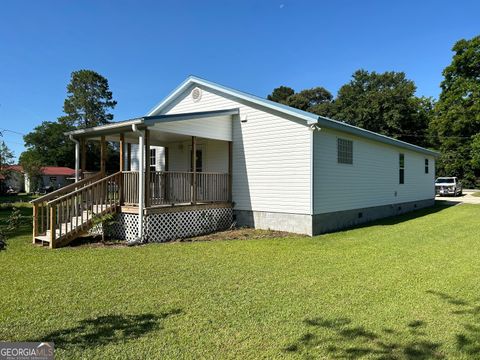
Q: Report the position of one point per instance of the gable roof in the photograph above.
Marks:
(310, 118)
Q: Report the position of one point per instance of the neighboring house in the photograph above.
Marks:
(222, 155)
(53, 176)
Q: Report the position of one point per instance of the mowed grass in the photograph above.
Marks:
(403, 288)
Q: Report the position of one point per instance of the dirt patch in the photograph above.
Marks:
(96, 242)
(234, 234)
(241, 234)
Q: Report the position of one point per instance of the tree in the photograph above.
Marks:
(456, 124)
(313, 100)
(48, 145)
(281, 94)
(6, 159)
(32, 163)
(384, 103)
(11, 225)
(88, 101)
(6, 156)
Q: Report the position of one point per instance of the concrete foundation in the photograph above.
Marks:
(323, 223)
(295, 223)
(338, 220)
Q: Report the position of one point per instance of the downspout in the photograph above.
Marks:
(77, 157)
(141, 184)
(313, 128)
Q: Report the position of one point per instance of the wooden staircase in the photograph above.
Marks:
(63, 215)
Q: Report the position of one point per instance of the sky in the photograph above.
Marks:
(146, 48)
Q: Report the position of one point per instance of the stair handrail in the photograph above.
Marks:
(67, 189)
(60, 198)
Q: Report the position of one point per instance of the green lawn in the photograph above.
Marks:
(405, 288)
(19, 200)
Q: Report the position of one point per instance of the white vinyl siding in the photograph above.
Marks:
(372, 179)
(160, 157)
(214, 128)
(271, 154)
(215, 155)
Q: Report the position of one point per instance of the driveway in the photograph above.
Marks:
(466, 198)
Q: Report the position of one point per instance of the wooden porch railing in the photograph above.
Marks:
(41, 210)
(176, 187)
(73, 212)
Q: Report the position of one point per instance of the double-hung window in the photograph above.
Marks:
(344, 151)
(401, 168)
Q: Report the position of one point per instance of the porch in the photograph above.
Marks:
(169, 164)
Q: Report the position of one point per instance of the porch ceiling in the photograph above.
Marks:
(166, 128)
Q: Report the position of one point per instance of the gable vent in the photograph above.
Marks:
(196, 94)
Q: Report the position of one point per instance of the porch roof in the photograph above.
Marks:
(164, 128)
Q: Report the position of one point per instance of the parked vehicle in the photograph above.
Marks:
(448, 186)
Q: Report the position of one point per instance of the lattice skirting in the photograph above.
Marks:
(173, 225)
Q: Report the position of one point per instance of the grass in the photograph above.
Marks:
(477, 194)
(403, 288)
(20, 200)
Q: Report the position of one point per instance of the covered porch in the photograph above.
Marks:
(167, 160)
(170, 165)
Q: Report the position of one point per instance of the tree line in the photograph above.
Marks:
(386, 103)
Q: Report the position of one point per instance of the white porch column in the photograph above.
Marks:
(141, 180)
(77, 158)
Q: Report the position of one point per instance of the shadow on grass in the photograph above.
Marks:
(397, 219)
(340, 338)
(107, 329)
(468, 341)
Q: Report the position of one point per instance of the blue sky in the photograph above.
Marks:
(146, 48)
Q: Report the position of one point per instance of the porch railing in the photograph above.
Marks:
(41, 209)
(176, 187)
(75, 210)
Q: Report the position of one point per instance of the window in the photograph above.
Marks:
(426, 166)
(401, 167)
(153, 160)
(344, 151)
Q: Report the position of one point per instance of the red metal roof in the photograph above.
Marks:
(58, 170)
(47, 170)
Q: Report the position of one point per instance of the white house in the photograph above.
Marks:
(266, 165)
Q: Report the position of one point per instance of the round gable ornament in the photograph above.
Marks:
(196, 94)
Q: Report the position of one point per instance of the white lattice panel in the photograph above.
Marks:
(126, 227)
(179, 225)
(173, 225)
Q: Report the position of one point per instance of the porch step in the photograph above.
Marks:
(76, 227)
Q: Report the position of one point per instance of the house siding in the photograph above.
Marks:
(373, 178)
(135, 155)
(215, 155)
(270, 154)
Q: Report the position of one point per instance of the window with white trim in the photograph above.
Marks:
(344, 151)
(401, 168)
